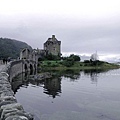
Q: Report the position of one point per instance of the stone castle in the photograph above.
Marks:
(51, 46)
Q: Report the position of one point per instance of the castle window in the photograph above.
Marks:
(54, 48)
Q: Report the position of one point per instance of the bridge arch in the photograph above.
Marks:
(31, 69)
(22, 66)
(25, 67)
(35, 69)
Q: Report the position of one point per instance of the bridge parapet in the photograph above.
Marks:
(15, 69)
(21, 66)
(9, 108)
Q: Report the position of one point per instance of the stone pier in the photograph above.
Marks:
(9, 108)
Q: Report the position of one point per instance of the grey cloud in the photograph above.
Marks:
(76, 35)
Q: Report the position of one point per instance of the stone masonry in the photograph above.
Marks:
(9, 108)
(53, 46)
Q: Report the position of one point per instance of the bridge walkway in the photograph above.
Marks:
(1, 67)
(9, 108)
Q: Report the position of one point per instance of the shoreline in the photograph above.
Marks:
(55, 65)
(75, 68)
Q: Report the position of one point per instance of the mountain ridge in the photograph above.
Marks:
(11, 47)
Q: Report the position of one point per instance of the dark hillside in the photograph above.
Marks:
(11, 48)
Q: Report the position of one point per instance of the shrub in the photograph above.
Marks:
(86, 61)
(75, 57)
(68, 63)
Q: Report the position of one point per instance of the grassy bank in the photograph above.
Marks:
(59, 65)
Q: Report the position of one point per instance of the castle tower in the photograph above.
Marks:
(53, 46)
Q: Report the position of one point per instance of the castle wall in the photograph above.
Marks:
(53, 46)
(25, 54)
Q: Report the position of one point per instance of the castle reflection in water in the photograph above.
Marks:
(52, 86)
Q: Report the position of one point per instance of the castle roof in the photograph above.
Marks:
(52, 39)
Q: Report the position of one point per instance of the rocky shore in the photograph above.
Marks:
(40, 76)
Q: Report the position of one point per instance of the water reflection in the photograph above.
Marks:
(72, 74)
(20, 80)
(94, 74)
(52, 87)
(59, 98)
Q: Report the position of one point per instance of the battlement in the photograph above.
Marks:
(53, 46)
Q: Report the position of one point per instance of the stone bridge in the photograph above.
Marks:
(9, 108)
(21, 66)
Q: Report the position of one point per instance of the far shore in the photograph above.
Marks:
(57, 65)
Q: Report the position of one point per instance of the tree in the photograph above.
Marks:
(52, 57)
(68, 62)
(75, 57)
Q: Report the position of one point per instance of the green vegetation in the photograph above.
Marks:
(59, 65)
(73, 62)
(70, 61)
(49, 57)
(11, 48)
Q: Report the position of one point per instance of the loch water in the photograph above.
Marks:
(71, 95)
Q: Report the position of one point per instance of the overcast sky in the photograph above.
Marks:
(83, 26)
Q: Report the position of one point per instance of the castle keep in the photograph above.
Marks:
(53, 46)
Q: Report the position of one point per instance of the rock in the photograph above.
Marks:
(20, 114)
(6, 102)
(42, 76)
(14, 111)
(16, 118)
(4, 74)
(8, 98)
(6, 113)
(9, 108)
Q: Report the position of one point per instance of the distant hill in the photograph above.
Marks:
(11, 48)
